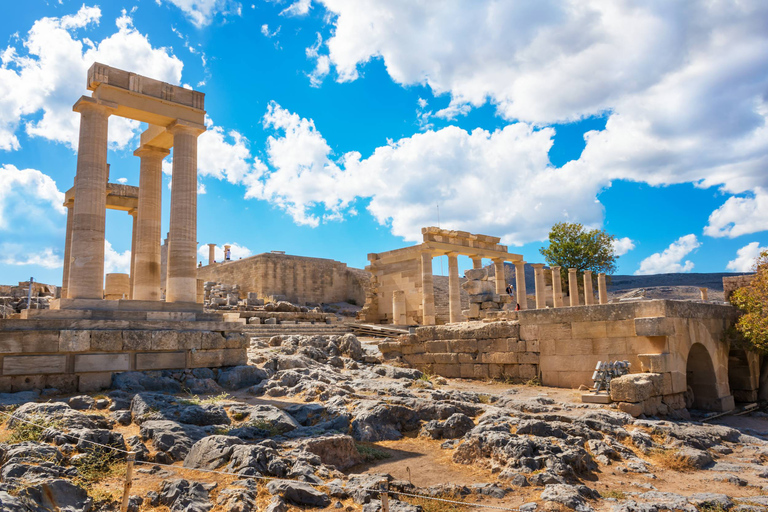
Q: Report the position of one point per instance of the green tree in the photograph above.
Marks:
(573, 246)
(752, 300)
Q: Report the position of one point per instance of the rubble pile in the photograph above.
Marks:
(484, 302)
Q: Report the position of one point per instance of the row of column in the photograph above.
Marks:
(454, 291)
(84, 274)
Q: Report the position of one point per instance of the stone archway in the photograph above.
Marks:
(701, 379)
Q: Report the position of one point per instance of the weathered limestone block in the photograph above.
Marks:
(74, 341)
(481, 372)
(462, 345)
(161, 360)
(636, 387)
(165, 340)
(476, 274)
(137, 340)
(655, 326)
(450, 371)
(528, 358)
(656, 363)
(468, 358)
(652, 405)
(90, 382)
(526, 371)
(85, 363)
(26, 383)
(40, 341)
(532, 346)
(634, 409)
(34, 365)
(66, 383)
(674, 401)
(436, 346)
(445, 358)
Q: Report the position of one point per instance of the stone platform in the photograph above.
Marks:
(80, 349)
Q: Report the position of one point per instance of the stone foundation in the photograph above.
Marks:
(472, 350)
(643, 393)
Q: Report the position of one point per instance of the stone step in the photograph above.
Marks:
(41, 324)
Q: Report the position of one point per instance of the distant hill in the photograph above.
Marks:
(712, 281)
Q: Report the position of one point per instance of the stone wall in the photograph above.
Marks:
(82, 354)
(730, 284)
(473, 350)
(298, 279)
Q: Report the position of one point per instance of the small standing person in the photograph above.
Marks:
(227, 254)
(509, 290)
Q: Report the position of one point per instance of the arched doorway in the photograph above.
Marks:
(700, 373)
(740, 376)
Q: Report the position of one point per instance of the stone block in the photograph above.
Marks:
(532, 346)
(605, 346)
(468, 358)
(34, 365)
(165, 340)
(674, 401)
(74, 341)
(174, 316)
(26, 383)
(481, 372)
(450, 371)
(555, 331)
(573, 347)
(467, 371)
(651, 405)
(679, 382)
(419, 359)
(466, 345)
(528, 358)
(596, 398)
(65, 382)
(510, 371)
(161, 360)
(235, 357)
(11, 341)
(527, 371)
(107, 341)
(595, 329)
(236, 339)
(206, 358)
(434, 347)
(86, 363)
(91, 382)
(515, 345)
(137, 340)
(636, 387)
(620, 329)
(656, 363)
(40, 341)
(529, 332)
(654, 326)
(633, 409)
(474, 310)
(495, 371)
(500, 358)
(445, 358)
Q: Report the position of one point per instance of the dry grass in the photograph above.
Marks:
(671, 459)
(428, 505)
(619, 495)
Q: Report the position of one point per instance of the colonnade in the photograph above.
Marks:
(84, 248)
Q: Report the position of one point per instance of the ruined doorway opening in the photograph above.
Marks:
(740, 376)
(701, 379)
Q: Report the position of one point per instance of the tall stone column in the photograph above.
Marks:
(477, 263)
(538, 280)
(211, 254)
(557, 288)
(427, 290)
(147, 283)
(67, 252)
(589, 294)
(520, 293)
(573, 286)
(602, 289)
(181, 284)
(398, 308)
(132, 275)
(226, 249)
(500, 278)
(454, 290)
(86, 272)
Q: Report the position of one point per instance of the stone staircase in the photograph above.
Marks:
(303, 329)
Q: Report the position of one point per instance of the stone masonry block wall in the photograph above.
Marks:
(730, 284)
(301, 280)
(472, 350)
(397, 276)
(84, 359)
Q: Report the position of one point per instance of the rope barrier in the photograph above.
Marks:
(130, 456)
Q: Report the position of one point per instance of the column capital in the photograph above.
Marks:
(87, 103)
(519, 262)
(147, 150)
(180, 125)
(537, 265)
(556, 267)
(133, 212)
(452, 254)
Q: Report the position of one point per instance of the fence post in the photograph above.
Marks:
(128, 480)
(384, 498)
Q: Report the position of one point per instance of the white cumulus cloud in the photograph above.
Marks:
(28, 194)
(622, 246)
(682, 84)
(202, 12)
(297, 8)
(46, 73)
(746, 258)
(16, 254)
(670, 260)
(115, 261)
(740, 216)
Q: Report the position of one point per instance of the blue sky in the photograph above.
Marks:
(336, 127)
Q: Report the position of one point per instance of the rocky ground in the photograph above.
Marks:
(317, 422)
